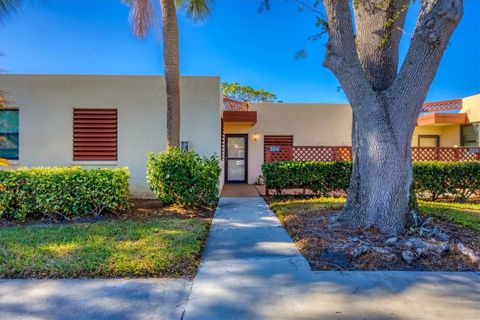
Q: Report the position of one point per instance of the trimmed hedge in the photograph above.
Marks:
(434, 179)
(70, 191)
(459, 180)
(183, 178)
(320, 178)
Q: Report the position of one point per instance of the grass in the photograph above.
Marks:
(158, 247)
(464, 214)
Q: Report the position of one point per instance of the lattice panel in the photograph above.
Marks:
(313, 154)
(322, 153)
(469, 154)
(316, 153)
(442, 105)
(234, 105)
(284, 154)
(444, 154)
(279, 141)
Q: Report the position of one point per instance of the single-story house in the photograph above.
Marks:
(110, 121)
(452, 123)
(104, 121)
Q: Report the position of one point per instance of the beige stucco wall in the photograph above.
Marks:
(46, 104)
(471, 106)
(449, 134)
(310, 125)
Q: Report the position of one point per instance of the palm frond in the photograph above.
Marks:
(197, 10)
(140, 16)
(7, 6)
(4, 163)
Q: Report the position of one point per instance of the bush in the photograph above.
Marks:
(320, 178)
(437, 179)
(441, 179)
(184, 178)
(69, 192)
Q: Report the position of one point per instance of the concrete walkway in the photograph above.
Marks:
(161, 299)
(251, 269)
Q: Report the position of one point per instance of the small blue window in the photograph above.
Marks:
(9, 134)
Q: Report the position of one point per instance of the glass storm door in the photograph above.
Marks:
(236, 157)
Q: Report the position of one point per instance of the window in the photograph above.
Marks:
(428, 141)
(94, 134)
(469, 136)
(9, 134)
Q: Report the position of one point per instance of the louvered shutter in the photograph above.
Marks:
(95, 134)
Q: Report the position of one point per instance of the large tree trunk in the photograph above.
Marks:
(171, 66)
(379, 193)
(385, 103)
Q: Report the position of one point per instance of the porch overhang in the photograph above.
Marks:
(440, 119)
(240, 117)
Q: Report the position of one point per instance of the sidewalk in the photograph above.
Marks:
(98, 299)
(251, 269)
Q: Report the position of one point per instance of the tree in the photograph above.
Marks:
(7, 6)
(238, 92)
(363, 54)
(141, 16)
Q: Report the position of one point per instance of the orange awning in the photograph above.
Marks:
(442, 119)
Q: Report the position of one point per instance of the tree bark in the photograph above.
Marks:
(379, 193)
(171, 67)
(385, 104)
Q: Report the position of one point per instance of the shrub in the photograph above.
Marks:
(438, 179)
(320, 178)
(69, 192)
(184, 178)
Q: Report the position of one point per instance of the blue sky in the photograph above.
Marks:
(236, 43)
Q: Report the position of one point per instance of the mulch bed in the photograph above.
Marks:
(141, 209)
(331, 246)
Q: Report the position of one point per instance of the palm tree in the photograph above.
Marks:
(142, 19)
(7, 6)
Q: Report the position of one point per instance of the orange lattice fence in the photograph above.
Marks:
(278, 153)
(344, 153)
(445, 154)
(304, 153)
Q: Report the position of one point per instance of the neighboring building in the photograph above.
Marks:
(279, 124)
(250, 128)
(110, 121)
(451, 123)
(103, 121)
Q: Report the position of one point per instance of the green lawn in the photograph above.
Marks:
(156, 247)
(465, 214)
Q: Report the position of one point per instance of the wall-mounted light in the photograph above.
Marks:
(255, 137)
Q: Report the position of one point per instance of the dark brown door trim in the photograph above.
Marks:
(226, 158)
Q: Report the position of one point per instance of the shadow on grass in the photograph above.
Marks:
(158, 247)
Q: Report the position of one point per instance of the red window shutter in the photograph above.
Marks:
(95, 134)
(276, 140)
